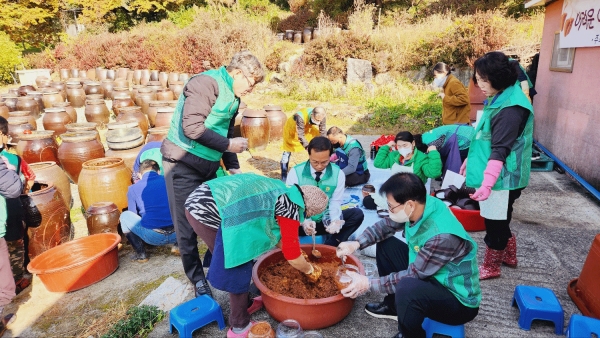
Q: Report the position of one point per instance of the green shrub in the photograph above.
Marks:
(9, 58)
(139, 322)
(418, 113)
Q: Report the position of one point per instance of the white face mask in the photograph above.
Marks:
(400, 216)
(439, 81)
(405, 151)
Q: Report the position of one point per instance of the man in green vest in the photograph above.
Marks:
(349, 156)
(431, 275)
(335, 223)
(201, 134)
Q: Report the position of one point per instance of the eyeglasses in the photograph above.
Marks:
(321, 163)
(250, 84)
(391, 209)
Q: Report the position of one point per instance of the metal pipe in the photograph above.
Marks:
(578, 178)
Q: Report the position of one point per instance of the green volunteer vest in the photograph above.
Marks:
(328, 182)
(516, 169)
(352, 143)
(461, 278)
(14, 160)
(246, 204)
(218, 120)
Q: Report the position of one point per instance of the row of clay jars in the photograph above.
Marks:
(50, 171)
(39, 146)
(77, 148)
(104, 179)
(55, 119)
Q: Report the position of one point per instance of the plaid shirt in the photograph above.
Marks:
(437, 252)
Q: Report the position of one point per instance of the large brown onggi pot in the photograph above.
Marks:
(64, 74)
(68, 108)
(38, 97)
(184, 77)
(39, 146)
(277, 119)
(96, 111)
(134, 114)
(164, 116)
(312, 314)
(173, 77)
(110, 74)
(476, 98)
(124, 143)
(143, 98)
(100, 74)
(60, 87)
(77, 148)
(145, 76)
(29, 104)
(122, 73)
(151, 112)
(93, 87)
(3, 110)
(104, 179)
(154, 75)
(137, 76)
(177, 88)
(121, 100)
(157, 134)
(238, 119)
(102, 217)
(24, 90)
(163, 78)
(119, 91)
(16, 127)
(50, 172)
(11, 102)
(107, 88)
(164, 94)
(75, 94)
(255, 127)
(51, 97)
(55, 119)
(27, 114)
(47, 218)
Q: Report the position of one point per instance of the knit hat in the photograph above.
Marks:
(315, 200)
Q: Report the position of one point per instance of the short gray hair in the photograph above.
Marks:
(319, 112)
(248, 64)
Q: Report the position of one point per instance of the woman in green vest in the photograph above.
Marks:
(499, 160)
(240, 217)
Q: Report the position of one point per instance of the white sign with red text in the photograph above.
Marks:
(580, 24)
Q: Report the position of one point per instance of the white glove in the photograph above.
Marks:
(346, 248)
(335, 226)
(360, 284)
(309, 226)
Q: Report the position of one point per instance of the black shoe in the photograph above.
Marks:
(399, 335)
(381, 310)
(138, 245)
(202, 288)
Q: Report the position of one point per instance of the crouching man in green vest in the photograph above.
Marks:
(318, 171)
(349, 156)
(433, 275)
(240, 217)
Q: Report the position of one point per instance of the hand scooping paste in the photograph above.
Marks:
(282, 278)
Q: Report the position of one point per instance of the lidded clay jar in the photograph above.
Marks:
(24, 113)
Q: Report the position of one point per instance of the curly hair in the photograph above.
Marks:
(494, 68)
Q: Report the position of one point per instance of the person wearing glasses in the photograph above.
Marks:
(335, 223)
(433, 275)
(201, 134)
(298, 130)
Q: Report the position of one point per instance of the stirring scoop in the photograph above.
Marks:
(316, 253)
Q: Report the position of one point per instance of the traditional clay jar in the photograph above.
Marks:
(93, 88)
(107, 87)
(47, 218)
(100, 74)
(121, 100)
(164, 116)
(24, 113)
(77, 148)
(127, 155)
(130, 77)
(121, 92)
(42, 82)
(38, 97)
(75, 94)
(16, 127)
(96, 111)
(23, 90)
(29, 104)
(277, 119)
(64, 74)
(39, 146)
(145, 76)
(49, 98)
(110, 74)
(50, 172)
(122, 73)
(184, 77)
(177, 88)
(134, 113)
(11, 102)
(255, 127)
(173, 77)
(238, 119)
(164, 94)
(84, 126)
(163, 78)
(154, 85)
(280, 36)
(137, 76)
(298, 37)
(316, 33)
(144, 97)
(55, 119)
(3, 110)
(68, 108)
(61, 88)
(307, 34)
(152, 106)
(102, 217)
(124, 143)
(75, 72)
(13, 91)
(154, 75)
(121, 83)
(104, 179)
(134, 92)
(289, 34)
(157, 134)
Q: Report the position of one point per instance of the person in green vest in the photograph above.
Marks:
(432, 274)
(349, 156)
(336, 224)
(499, 160)
(200, 135)
(240, 217)
(439, 137)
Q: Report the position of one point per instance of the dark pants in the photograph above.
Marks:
(416, 299)
(497, 232)
(356, 179)
(181, 180)
(353, 218)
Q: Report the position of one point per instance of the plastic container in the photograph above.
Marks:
(342, 279)
(471, 220)
(289, 328)
(77, 264)
(261, 329)
(585, 290)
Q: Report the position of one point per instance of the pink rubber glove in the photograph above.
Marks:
(490, 176)
(359, 285)
(333, 158)
(463, 168)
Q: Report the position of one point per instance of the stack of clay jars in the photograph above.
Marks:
(38, 146)
(77, 148)
(124, 140)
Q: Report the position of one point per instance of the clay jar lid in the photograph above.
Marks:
(19, 113)
(61, 104)
(122, 125)
(255, 113)
(270, 107)
(50, 92)
(80, 136)
(83, 126)
(17, 120)
(121, 95)
(121, 139)
(54, 110)
(36, 135)
(100, 208)
(25, 98)
(154, 84)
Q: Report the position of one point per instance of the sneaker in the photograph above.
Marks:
(381, 310)
(243, 334)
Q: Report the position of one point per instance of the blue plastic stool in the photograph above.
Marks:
(582, 326)
(194, 314)
(319, 239)
(432, 327)
(538, 303)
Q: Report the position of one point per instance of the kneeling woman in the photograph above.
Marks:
(242, 216)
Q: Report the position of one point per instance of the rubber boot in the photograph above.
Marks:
(284, 171)
(138, 245)
(510, 253)
(491, 264)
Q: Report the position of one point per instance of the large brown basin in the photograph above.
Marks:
(312, 314)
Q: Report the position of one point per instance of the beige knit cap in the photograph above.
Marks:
(315, 200)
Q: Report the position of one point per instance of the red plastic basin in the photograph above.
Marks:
(78, 263)
(471, 220)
